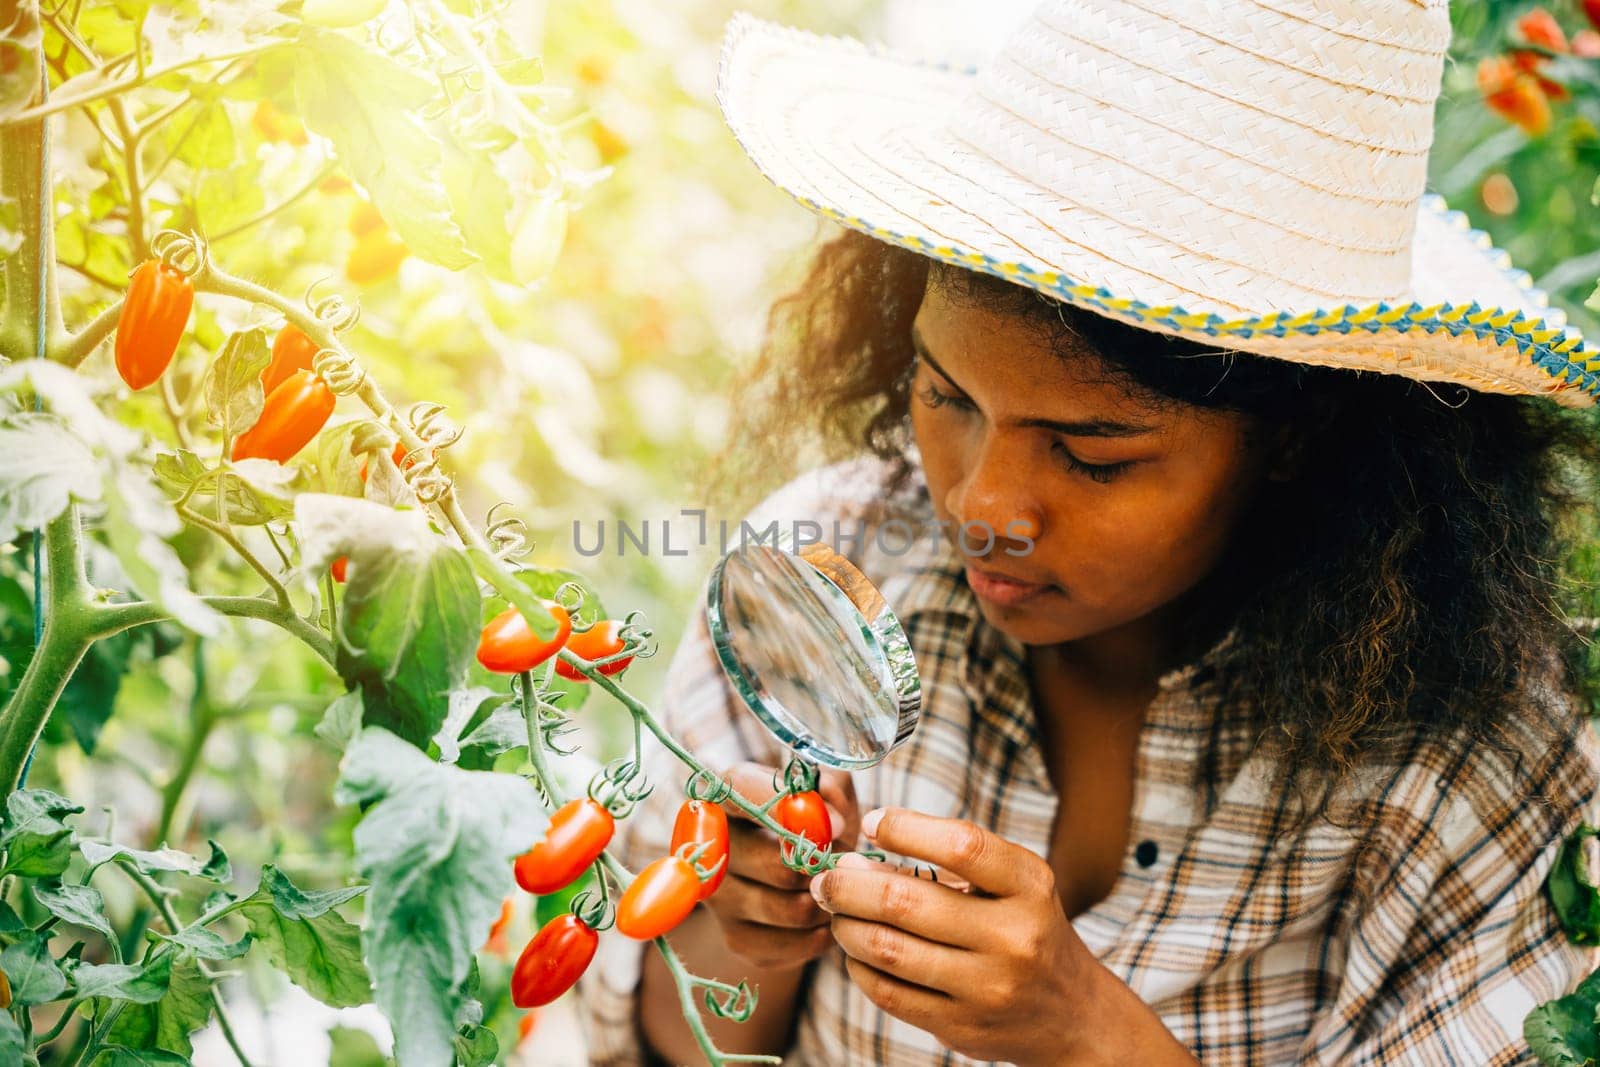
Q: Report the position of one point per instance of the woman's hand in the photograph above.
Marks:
(996, 977)
(767, 917)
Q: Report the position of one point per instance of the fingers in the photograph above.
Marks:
(742, 900)
(925, 909)
(988, 861)
(920, 1007)
(936, 968)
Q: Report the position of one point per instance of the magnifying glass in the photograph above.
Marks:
(814, 651)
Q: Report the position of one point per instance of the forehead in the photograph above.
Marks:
(1017, 352)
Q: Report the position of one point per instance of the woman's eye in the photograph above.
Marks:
(937, 398)
(1100, 472)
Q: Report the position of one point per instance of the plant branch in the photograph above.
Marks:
(232, 231)
(64, 102)
(201, 720)
(75, 348)
(116, 618)
(232, 539)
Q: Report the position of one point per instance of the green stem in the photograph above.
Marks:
(22, 178)
(74, 349)
(202, 718)
(115, 618)
(68, 632)
(157, 897)
(63, 102)
(278, 591)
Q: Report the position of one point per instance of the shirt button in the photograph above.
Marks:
(1145, 854)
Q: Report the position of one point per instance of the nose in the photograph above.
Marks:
(993, 500)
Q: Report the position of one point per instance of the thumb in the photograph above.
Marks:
(838, 791)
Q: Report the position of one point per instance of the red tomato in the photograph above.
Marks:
(697, 822)
(659, 899)
(806, 815)
(291, 416)
(340, 567)
(151, 322)
(576, 836)
(508, 644)
(292, 350)
(553, 961)
(597, 642)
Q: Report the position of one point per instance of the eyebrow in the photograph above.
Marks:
(1072, 428)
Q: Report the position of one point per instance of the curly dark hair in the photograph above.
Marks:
(1409, 581)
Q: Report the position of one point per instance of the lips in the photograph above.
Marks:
(1004, 590)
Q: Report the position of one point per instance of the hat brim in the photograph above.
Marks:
(853, 133)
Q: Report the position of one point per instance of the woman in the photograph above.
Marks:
(1251, 726)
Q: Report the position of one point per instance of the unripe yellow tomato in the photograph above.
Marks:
(536, 244)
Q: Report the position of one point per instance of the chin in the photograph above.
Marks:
(1030, 625)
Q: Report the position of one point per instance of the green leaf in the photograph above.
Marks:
(35, 977)
(156, 862)
(233, 388)
(46, 468)
(167, 1023)
(122, 1056)
(504, 730)
(37, 843)
(481, 204)
(1563, 1032)
(366, 103)
(476, 1046)
(137, 983)
(79, 905)
(305, 938)
(436, 844)
(408, 622)
(91, 693)
(217, 867)
(342, 721)
(225, 198)
(354, 1048)
(204, 138)
(252, 494)
(1572, 889)
(12, 1043)
(208, 945)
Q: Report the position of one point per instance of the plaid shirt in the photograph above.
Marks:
(1252, 948)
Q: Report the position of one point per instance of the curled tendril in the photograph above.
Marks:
(638, 639)
(707, 788)
(803, 855)
(593, 910)
(183, 252)
(692, 852)
(736, 1003)
(508, 536)
(333, 311)
(619, 786)
(422, 472)
(343, 374)
(571, 596)
(552, 722)
(798, 776)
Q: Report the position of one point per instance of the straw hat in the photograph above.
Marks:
(1246, 174)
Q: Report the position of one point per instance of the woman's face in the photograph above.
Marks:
(1127, 504)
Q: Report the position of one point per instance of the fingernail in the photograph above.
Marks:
(869, 825)
(856, 860)
(816, 893)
